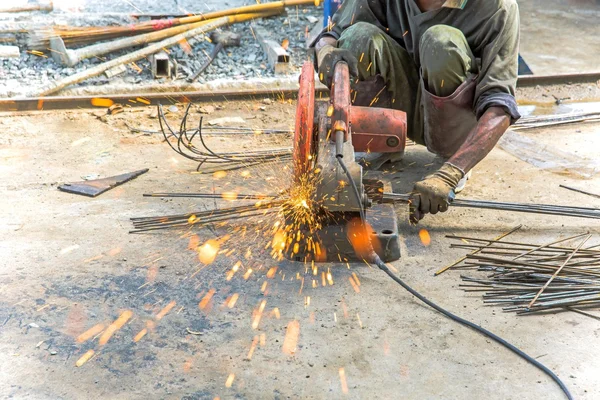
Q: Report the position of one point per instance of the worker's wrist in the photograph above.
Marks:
(325, 41)
(451, 174)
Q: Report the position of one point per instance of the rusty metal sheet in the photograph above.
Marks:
(93, 188)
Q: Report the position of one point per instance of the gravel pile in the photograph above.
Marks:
(248, 61)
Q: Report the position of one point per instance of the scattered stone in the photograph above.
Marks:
(267, 101)
(311, 19)
(33, 325)
(153, 113)
(53, 352)
(173, 109)
(263, 108)
(206, 109)
(227, 121)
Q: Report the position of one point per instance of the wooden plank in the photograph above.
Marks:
(9, 52)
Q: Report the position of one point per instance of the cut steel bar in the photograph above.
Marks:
(516, 228)
(579, 191)
(549, 244)
(558, 271)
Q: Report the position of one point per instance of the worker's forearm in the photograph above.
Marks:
(325, 41)
(482, 139)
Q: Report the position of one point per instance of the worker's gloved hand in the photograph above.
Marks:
(435, 192)
(328, 57)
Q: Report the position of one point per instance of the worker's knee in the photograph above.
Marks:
(445, 56)
(360, 37)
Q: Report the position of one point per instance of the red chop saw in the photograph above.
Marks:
(326, 130)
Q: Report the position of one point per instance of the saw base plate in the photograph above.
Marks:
(335, 245)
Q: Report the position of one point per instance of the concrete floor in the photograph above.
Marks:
(560, 36)
(67, 264)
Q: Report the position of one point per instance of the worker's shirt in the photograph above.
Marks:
(491, 28)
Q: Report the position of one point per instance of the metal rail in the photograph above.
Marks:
(144, 99)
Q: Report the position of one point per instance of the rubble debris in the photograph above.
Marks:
(205, 109)
(163, 66)
(193, 30)
(221, 40)
(227, 121)
(279, 58)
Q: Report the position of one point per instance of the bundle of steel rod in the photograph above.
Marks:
(529, 278)
(204, 218)
(557, 119)
(39, 39)
(182, 145)
(581, 212)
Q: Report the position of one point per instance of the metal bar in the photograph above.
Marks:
(516, 228)
(558, 271)
(75, 102)
(580, 191)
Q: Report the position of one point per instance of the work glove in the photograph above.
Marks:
(328, 57)
(435, 192)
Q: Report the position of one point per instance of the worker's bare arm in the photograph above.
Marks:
(482, 139)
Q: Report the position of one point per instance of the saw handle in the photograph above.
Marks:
(340, 99)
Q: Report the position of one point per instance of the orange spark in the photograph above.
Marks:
(424, 236)
(233, 300)
(354, 285)
(271, 272)
(90, 333)
(84, 358)
(206, 299)
(258, 314)
(275, 313)
(229, 196)
(194, 242)
(252, 348)
(165, 310)
(98, 102)
(359, 321)
(229, 380)
(140, 335)
(208, 251)
(343, 380)
(114, 252)
(114, 327)
(290, 342)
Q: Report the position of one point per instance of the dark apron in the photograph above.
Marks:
(447, 121)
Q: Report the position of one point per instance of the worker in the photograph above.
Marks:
(451, 65)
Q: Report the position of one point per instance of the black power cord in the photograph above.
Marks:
(375, 259)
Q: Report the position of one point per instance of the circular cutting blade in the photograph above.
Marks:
(305, 115)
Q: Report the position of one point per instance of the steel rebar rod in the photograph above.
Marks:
(582, 212)
(516, 228)
(558, 270)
